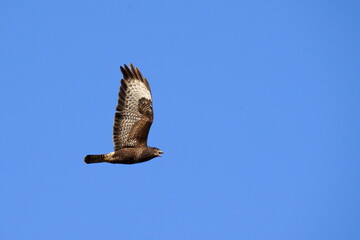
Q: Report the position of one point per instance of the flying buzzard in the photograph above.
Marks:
(133, 118)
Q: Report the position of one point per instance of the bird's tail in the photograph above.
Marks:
(95, 158)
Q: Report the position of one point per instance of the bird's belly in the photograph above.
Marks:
(125, 156)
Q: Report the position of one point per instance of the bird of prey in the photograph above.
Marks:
(133, 119)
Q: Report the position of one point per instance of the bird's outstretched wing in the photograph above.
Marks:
(134, 112)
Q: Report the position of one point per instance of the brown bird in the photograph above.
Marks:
(133, 119)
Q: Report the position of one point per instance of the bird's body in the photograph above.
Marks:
(133, 119)
(124, 155)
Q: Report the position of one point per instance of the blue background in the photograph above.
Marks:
(256, 108)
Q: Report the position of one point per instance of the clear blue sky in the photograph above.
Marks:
(256, 108)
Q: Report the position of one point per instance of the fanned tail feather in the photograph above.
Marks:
(95, 158)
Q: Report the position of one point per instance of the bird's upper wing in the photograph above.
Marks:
(134, 112)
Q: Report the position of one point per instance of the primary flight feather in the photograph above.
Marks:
(133, 119)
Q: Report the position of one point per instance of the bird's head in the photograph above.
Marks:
(157, 152)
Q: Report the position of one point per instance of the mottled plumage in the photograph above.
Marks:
(133, 119)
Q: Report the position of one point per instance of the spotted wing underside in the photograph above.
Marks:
(134, 112)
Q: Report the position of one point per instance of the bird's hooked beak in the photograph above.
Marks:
(160, 152)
